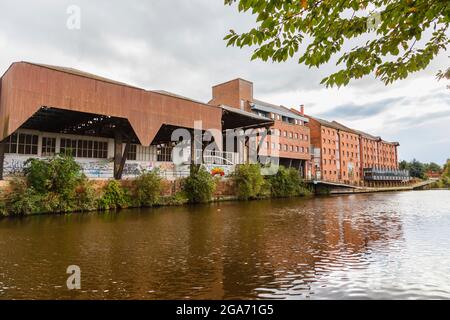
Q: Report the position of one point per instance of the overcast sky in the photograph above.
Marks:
(176, 45)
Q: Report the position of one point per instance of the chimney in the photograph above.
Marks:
(302, 109)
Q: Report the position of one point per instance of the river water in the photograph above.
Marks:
(366, 246)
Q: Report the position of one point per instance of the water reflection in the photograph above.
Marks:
(391, 245)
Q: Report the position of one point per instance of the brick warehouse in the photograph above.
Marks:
(117, 130)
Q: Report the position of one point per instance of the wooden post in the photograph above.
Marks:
(123, 161)
(118, 142)
(2, 158)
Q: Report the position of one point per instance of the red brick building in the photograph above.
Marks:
(342, 154)
(290, 135)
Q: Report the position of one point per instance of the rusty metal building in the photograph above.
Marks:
(107, 125)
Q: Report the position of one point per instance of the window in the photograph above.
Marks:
(296, 136)
(22, 143)
(284, 133)
(68, 146)
(290, 135)
(48, 147)
(85, 148)
(132, 152)
(164, 153)
(11, 144)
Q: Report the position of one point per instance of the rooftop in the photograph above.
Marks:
(273, 108)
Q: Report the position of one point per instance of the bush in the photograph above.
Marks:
(248, 181)
(177, 199)
(148, 189)
(199, 187)
(86, 196)
(114, 197)
(287, 183)
(23, 200)
(61, 174)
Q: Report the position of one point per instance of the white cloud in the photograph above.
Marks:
(178, 46)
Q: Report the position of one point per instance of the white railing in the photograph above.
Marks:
(211, 157)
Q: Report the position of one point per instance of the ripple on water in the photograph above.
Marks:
(373, 246)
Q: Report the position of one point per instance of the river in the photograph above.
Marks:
(365, 246)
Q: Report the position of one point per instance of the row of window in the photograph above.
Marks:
(28, 144)
(347, 136)
(290, 135)
(285, 147)
(333, 152)
(330, 161)
(350, 174)
(84, 148)
(162, 153)
(22, 144)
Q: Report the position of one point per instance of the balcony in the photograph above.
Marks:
(376, 174)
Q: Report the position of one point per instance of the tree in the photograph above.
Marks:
(433, 167)
(417, 169)
(399, 36)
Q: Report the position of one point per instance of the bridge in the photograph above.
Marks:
(328, 187)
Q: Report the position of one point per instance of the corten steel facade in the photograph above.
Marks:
(290, 135)
(45, 110)
(38, 98)
(346, 154)
(26, 87)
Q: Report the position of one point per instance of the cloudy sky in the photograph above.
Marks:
(176, 45)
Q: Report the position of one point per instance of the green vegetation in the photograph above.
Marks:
(418, 169)
(287, 183)
(396, 37)
(148, 189)
(57, 185)
(49, 186)
(114, 197)
(248, 181)
(199, 187)
(444, 182)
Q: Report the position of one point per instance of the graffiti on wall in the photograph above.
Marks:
(135, 169)
(13, 166)
(97, 169)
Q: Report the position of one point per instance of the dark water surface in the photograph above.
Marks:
(385, 245)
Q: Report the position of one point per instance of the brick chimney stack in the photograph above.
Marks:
(302, 109)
